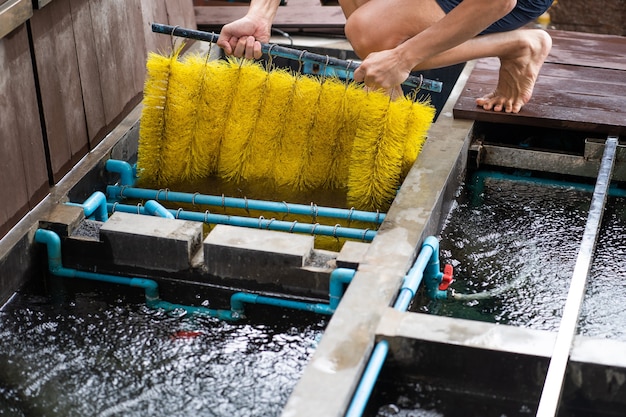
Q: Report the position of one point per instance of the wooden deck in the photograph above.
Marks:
(582, 86)
(301, 14)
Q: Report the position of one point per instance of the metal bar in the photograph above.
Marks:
(284, 52)
(553, 386)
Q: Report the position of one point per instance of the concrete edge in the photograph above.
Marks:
(328, 382)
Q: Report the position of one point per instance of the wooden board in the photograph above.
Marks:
(59, 83)
(582, 86)
(296, 13)
(24, 179)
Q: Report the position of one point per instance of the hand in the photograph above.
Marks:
(382, 70)
(243, 37)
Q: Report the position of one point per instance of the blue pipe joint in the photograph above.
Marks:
(433, 277)
(339, 278)
(53, 247)
(127, 174)
(156, 209)
(96, 204)
(150, 287)
(238, 301)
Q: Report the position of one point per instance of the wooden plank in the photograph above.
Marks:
(565, 85)
(573, 95)
(24, 178)
(60, 87)
(117, 26)
(296, 13)
(586, 49)
(172, 12)
(88, 70)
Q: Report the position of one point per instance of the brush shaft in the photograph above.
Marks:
(296, 54)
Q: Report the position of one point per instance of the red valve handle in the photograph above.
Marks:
(446, 280)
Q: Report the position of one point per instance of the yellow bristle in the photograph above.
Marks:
(181, 114)
(377, 153)
(237, 120)
(421, 115)
(268, 130)
(153, 126)
(297, 125)
(342, 152)
(220, 82)
(327, 119)
(242, 117)
(200, 72)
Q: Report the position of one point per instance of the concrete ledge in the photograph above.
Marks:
(260, 255)
(151, 242)
(63, 219)
(351, 254)
(415, 327)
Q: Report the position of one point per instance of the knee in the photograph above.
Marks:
(357, 33)
(359, 30)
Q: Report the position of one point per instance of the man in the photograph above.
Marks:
(394, 37)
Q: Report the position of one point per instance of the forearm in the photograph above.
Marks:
(263, 9)
(464, 22)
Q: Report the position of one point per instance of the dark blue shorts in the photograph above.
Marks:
(525, 12)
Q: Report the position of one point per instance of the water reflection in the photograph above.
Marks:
(96, 358)
(514, 248)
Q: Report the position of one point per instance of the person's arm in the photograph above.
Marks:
(387, 69)
(243, 37)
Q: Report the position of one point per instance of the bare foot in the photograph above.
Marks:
(518, 72)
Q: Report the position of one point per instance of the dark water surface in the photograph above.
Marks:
(100, 354)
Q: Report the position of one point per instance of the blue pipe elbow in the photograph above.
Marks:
(53, 247)
(96, 204)
(156, 209)
(432, 273)
(338, 279)
(127, 176)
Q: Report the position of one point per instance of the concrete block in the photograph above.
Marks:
(351, 254)
(151, 242)
(63, 219)
(261, 255)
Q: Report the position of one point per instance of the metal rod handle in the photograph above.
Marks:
(296, 54)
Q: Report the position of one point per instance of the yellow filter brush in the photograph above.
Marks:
(240, 121)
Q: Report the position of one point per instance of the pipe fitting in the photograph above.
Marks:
(127, 176)
(156, 209)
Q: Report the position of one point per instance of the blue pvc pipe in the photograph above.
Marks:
(365, 235)
(426, 266)
(127, 174)
(156, 209)
(368, 379)
(239, 299)
(115, 192)
(95, 205)
(479, 177)
(55, 266)
(339, 277)
(151, 288)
